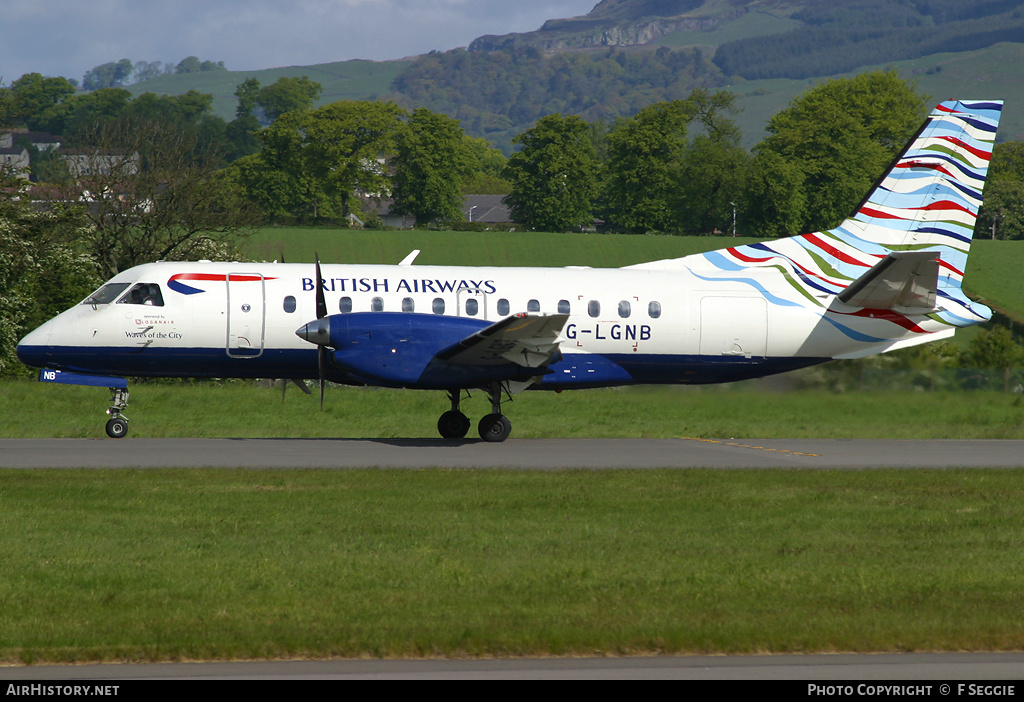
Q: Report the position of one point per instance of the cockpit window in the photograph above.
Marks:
(105, 295)
(143, 294)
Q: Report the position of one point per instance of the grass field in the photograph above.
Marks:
(159, 565)
(30, 409)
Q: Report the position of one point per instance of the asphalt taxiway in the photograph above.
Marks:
(523, 454)
(946, 670)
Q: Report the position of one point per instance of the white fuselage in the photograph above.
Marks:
(655, 324)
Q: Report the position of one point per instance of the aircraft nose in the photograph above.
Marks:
(317, 332)
(33, 349)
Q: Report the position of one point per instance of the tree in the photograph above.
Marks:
(43, 267)
(711, 185)
(995, 349)
(486, 167)
(314, 162)
(1007, 162)
(148, 70)
(1002, 215)
(554, 176)
(31, 95)
(774, 204)
(82, 111)
(842, 135)
(152, 191)
(189, 64)
(109, 75)
(645, 155)
(431, 164)
(247, 93)
(287, 94)
(241, 131)
(714, 169)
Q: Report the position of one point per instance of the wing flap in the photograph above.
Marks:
(527, 340)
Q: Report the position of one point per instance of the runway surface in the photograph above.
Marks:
(525, 454)
(941, 668)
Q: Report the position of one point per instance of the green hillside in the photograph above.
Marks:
(752, 24)
(341, 80)
(986, 73)
(992, 73)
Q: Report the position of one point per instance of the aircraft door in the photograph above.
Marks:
(733, 329)
(246, 315)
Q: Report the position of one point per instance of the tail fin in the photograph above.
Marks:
(927, 201)
(930, 197)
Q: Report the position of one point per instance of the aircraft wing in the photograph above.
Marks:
(528, 340)
(903, 279)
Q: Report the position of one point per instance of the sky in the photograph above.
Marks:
(69, 37)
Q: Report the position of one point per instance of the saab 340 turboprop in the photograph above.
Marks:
(887, 278)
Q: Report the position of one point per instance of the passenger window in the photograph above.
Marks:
(503, 307)
(472, 307)
(654, 310)
(563, 307)
(594, 308)
(438, 305)
(345, 305)
(143, 294)
(377, 304)
(533, 306)
(624, 309)
(408, 305)
(289, 304)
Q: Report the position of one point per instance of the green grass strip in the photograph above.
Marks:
(29, 409)
(169, 565)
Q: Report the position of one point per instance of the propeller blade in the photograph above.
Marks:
(322, 367)
(321, 303)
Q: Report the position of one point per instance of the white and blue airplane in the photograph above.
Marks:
(889, 277)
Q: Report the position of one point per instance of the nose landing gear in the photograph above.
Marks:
(117, 425)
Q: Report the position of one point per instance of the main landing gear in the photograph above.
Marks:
(494, 427)
(117, 425)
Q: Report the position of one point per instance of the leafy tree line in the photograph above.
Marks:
(328, 161)
(118, 74)
(992, 360)
(678, 167)
(53, 105)
(674, 167)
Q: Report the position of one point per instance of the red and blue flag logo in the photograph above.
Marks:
(175, 281)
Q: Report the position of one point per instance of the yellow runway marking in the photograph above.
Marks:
(747, 446)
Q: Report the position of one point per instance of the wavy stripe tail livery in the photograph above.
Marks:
(888, 277)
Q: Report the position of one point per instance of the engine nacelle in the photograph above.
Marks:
(389, 348)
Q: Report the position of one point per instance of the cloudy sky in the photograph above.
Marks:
(69, 37)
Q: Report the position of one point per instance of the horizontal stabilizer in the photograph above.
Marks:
(903, 279)
(527, 340)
